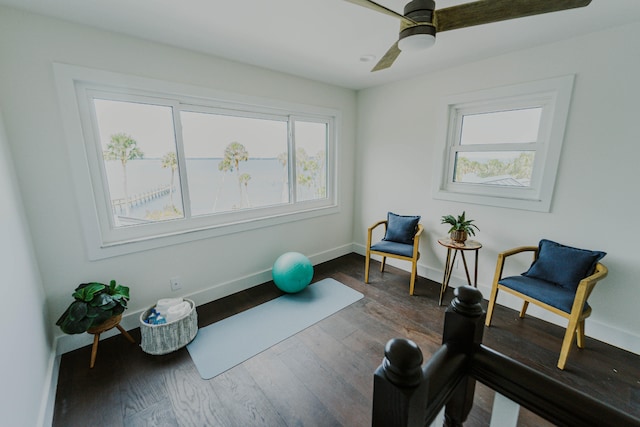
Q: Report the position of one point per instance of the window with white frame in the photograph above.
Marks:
(170, 164)
(502, 146)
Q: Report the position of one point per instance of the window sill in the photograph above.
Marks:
(99, 250)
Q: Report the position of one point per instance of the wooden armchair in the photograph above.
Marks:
(401, 241)
(560, 280)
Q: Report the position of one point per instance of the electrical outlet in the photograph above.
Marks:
(175, 283)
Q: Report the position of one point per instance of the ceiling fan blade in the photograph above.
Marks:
(486, 11)
(388, 59)
(379, 8)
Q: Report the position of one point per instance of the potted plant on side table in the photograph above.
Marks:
(96, 308)
(461, 227)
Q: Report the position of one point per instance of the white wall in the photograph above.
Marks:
(209, 269)
(26, 360)
(394, 159)
(596, 192)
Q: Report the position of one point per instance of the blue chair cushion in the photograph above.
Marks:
(549, 293)
(393, 248)
(563, 265)
(401, 228)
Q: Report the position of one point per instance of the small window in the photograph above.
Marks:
(164, 163)
(503, 145)
(497, 148)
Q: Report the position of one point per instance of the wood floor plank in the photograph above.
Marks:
(348, 406)
(158, 414)
(91, 396)
(242, 399)
(191, 400)
(322, 376)
(141, 388)
(89, 404)
(295, 403)
(344, 361)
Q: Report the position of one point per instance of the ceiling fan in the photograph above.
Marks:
(420, 22)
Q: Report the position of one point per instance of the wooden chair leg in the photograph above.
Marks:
(580, 334)
(523, 310)
(414, 271)
(366, 267)
(494, 288)
(382, 263)
(94, 349)
(491, 306)
(567, 342)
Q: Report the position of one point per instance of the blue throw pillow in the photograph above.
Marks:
(401, 228)
(563, 265)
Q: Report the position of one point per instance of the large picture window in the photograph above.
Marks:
(165, 166)
(503, 145)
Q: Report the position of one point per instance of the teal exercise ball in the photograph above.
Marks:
(292, 272)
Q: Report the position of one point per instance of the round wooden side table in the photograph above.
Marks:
(112, 322)
(455, 247)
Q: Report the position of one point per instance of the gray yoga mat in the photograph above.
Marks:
(229, 342)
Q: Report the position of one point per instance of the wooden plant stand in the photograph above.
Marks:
(103, 327)
(468, 245)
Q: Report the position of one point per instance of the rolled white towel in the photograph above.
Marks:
(163, 305)
(178, 311)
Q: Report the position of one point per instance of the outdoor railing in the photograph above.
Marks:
(120, 205)
(409, 394)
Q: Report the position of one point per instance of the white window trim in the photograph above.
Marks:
(554, 95)
(101, 242)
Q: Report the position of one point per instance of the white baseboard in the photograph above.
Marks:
(626, 340)
(47, 403)
(594, 328)
(131, 320)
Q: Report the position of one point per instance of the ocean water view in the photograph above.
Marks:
(209, 188)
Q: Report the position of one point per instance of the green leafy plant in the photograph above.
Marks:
(460, 224)
(94, 303)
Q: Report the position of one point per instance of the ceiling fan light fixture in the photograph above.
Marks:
(417, 38)
(419, 21)
(416, 42)
(423, 35)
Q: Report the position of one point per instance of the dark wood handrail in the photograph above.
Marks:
(445, 370)
(406, 394)
(543, 395)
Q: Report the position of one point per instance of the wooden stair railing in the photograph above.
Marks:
(407, 393)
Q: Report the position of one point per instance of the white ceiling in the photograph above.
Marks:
(323, 39)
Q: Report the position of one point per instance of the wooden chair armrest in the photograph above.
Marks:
(384, 221)
(599, 273)
(416, 240)
(518, 250)
(370, 231)
(502, 256)
(589, 282)
(585, 287)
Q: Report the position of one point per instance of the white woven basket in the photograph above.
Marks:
(168, 337)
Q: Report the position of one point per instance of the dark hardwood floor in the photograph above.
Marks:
(323, 375)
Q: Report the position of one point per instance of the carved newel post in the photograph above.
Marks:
(398, 397)
(405, 393)
(463, 330)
